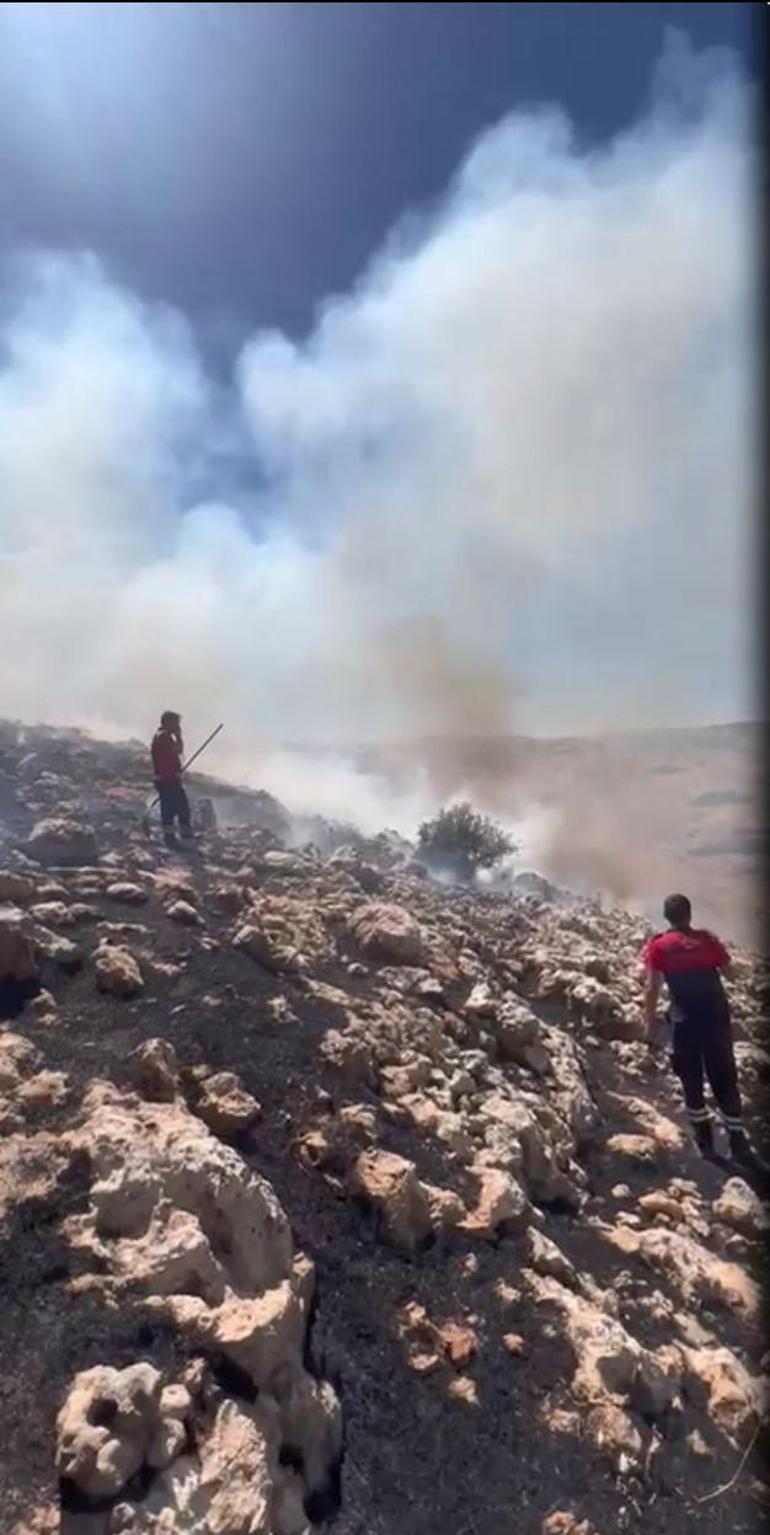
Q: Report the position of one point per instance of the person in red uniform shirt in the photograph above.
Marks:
(167, 750)
(692, 962)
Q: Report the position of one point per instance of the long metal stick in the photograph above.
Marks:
(189, 762)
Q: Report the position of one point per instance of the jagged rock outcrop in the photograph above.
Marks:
(15, 889)
(223, 1104)
(156, 1071)
(210, 1464)
(527, 1291)
(385, 931)
(176, 1217)
(117, 971)
(18, 961)
(110, 1426)
(62, 843)
(410, 1210)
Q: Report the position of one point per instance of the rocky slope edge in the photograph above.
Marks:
(335, 1199)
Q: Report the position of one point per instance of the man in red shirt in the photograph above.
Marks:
(167, 749)
(692, 962)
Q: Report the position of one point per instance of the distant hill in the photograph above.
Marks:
(635, 811)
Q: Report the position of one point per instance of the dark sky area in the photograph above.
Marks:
(244, 161)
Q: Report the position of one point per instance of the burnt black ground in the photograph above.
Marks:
(416, 1461)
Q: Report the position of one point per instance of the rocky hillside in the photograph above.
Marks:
(336, 1200)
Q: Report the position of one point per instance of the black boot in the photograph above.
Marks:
(751, 1166)
(742, 1151)
(704, 1135)
(169, 837)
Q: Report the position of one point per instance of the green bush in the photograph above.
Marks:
(459, 840)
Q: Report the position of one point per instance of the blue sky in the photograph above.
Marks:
(377, 370)
(242, 162)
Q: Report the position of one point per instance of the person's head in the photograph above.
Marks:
(169, 720)
(677, 911)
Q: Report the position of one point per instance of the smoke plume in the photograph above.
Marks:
(505, 483)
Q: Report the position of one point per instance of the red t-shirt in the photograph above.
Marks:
(691, 963)
(674, 952)
(166, 756)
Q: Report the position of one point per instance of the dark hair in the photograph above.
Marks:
(168, 717)
(677, 910)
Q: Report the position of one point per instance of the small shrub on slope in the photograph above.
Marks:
(459, 840)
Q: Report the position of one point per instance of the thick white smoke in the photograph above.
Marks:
(505, 482)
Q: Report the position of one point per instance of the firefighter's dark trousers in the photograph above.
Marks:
(703, 1045)
(174, 806)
